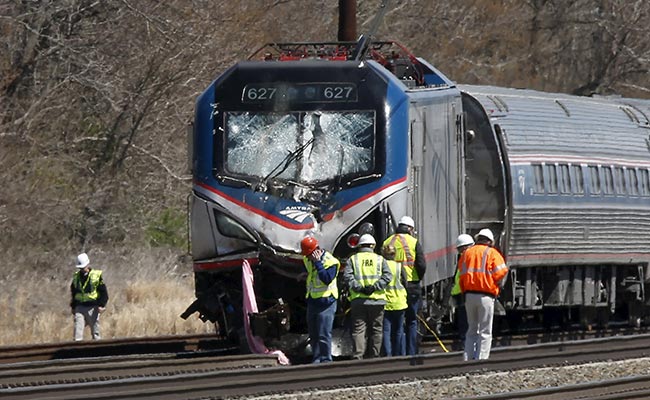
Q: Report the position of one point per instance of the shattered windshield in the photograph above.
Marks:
(304, 147)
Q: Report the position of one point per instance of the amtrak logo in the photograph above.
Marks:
(298, 214)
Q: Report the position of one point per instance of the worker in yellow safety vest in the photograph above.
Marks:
(463, 242)
(408, 252)
(394, 343)
(366, 275)
(321, 294)
(89, 298)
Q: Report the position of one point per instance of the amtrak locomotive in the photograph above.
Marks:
(314, 139)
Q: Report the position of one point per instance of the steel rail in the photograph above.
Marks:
(110, 347)
(632, 387)
(95, 369)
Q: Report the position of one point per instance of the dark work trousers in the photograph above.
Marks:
(367, 328)
(414, 301)
(461, 316)
(394, 342)
(320, 318)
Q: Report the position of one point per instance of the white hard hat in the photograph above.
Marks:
(464, 240)
(82, 260)
(486, 233)
(408, 221)
(367, 239)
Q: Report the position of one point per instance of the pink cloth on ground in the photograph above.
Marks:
(255, 343)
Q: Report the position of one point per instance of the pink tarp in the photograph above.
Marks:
(255, 343)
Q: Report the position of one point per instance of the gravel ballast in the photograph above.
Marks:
(478, 384)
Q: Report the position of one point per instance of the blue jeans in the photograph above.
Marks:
(414, 301)
(394, 344)
(320, 318)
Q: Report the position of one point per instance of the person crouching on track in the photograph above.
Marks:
(322, 294)
(394, 341)
(482, 274)
(463, 242)
(366, 275)
(89, 298)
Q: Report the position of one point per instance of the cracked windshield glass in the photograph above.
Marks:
(303, 147)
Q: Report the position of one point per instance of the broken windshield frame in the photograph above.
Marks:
(301, 147)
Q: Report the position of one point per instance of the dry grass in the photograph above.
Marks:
(148, 292)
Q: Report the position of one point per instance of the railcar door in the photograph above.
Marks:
(486, 180)
(436, 181)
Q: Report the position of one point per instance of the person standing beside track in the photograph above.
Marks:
(394, 310)
(463, 242)
(408, 251)
(89, 298)
(482, 274)
(321, 294)
(366, 275)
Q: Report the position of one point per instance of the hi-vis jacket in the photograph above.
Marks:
(88, 289)
(405, 253)
(367, 268)
(395, 291)
(316, 288)
(481, 269)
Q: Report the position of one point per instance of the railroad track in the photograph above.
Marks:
(115, 347)
(255, 381)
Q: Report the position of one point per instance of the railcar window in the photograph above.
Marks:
(595, 179)
(539, 178)
(565, 181)
(552, 178)
(578, 180)
(645, 182)
(633, 180)
(608, 177)
(619, 180)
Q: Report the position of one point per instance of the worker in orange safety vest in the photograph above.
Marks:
(483, 273)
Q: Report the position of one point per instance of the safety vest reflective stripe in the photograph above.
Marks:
(481, 267)
(364, 273)
(81, 294)
(407, 258)
(405, 253)
(499, 268)
(315, 287)
(367, 268)
(395, 291)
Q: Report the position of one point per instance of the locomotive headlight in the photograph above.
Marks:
(229, 227)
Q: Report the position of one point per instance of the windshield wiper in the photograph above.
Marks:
(286, 161)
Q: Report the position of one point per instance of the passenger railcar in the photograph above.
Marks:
(311, 139)
(565, 180)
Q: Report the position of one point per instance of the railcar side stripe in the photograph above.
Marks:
(255, 210)
(289, 225)
(351, 204)
(546, 158)
(439, 253)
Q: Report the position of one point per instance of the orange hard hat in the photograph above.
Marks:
(308, 245)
